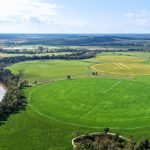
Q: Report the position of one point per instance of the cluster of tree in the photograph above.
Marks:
(94, 73)
(17, 51)
(41, 50)
(135, 50)
(124, 43)
(109, 141)
(14, 99)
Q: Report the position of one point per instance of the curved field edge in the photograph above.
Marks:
(122, 69)
(45, 70)
(30, 130)
(55, 102)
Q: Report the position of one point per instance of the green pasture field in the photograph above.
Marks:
(94, 102)
(44, 70)
(57, 110)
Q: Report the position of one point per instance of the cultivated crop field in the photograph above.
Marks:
(93, 102)
(59, 109)
(47, 70)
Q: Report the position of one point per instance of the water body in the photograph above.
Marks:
(2, 92)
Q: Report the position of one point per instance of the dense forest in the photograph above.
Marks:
(76, 40)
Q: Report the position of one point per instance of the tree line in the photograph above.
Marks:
(78, 55)
(41, 50)
(14, 100)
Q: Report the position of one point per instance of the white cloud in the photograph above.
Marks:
(36, 16)
(26, 11)
(139, 18)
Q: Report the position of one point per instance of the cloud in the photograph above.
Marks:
(37, 16)
(27, 11)
(139, 18)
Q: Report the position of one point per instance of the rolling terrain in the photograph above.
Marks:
(57, 110)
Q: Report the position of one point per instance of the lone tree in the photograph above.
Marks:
(68, 77)
(96, 73)
(40, 49)
(93, 73)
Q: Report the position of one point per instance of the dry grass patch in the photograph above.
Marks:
(120, 59)
(122, 68)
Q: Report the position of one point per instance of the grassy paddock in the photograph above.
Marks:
(94, 103)
(45, 70)
(58, 111)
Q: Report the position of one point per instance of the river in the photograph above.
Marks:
(2, 92)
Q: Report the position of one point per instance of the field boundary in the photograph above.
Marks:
(76, 124)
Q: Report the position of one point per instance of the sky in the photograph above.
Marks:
(75, 16)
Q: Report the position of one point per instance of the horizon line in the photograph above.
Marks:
(73, 33)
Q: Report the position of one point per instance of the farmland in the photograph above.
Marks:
(59, 109)
(46, 70)
(98, 97)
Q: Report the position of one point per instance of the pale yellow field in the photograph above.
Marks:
(124, 59)
(121, 65)
(122, 68)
